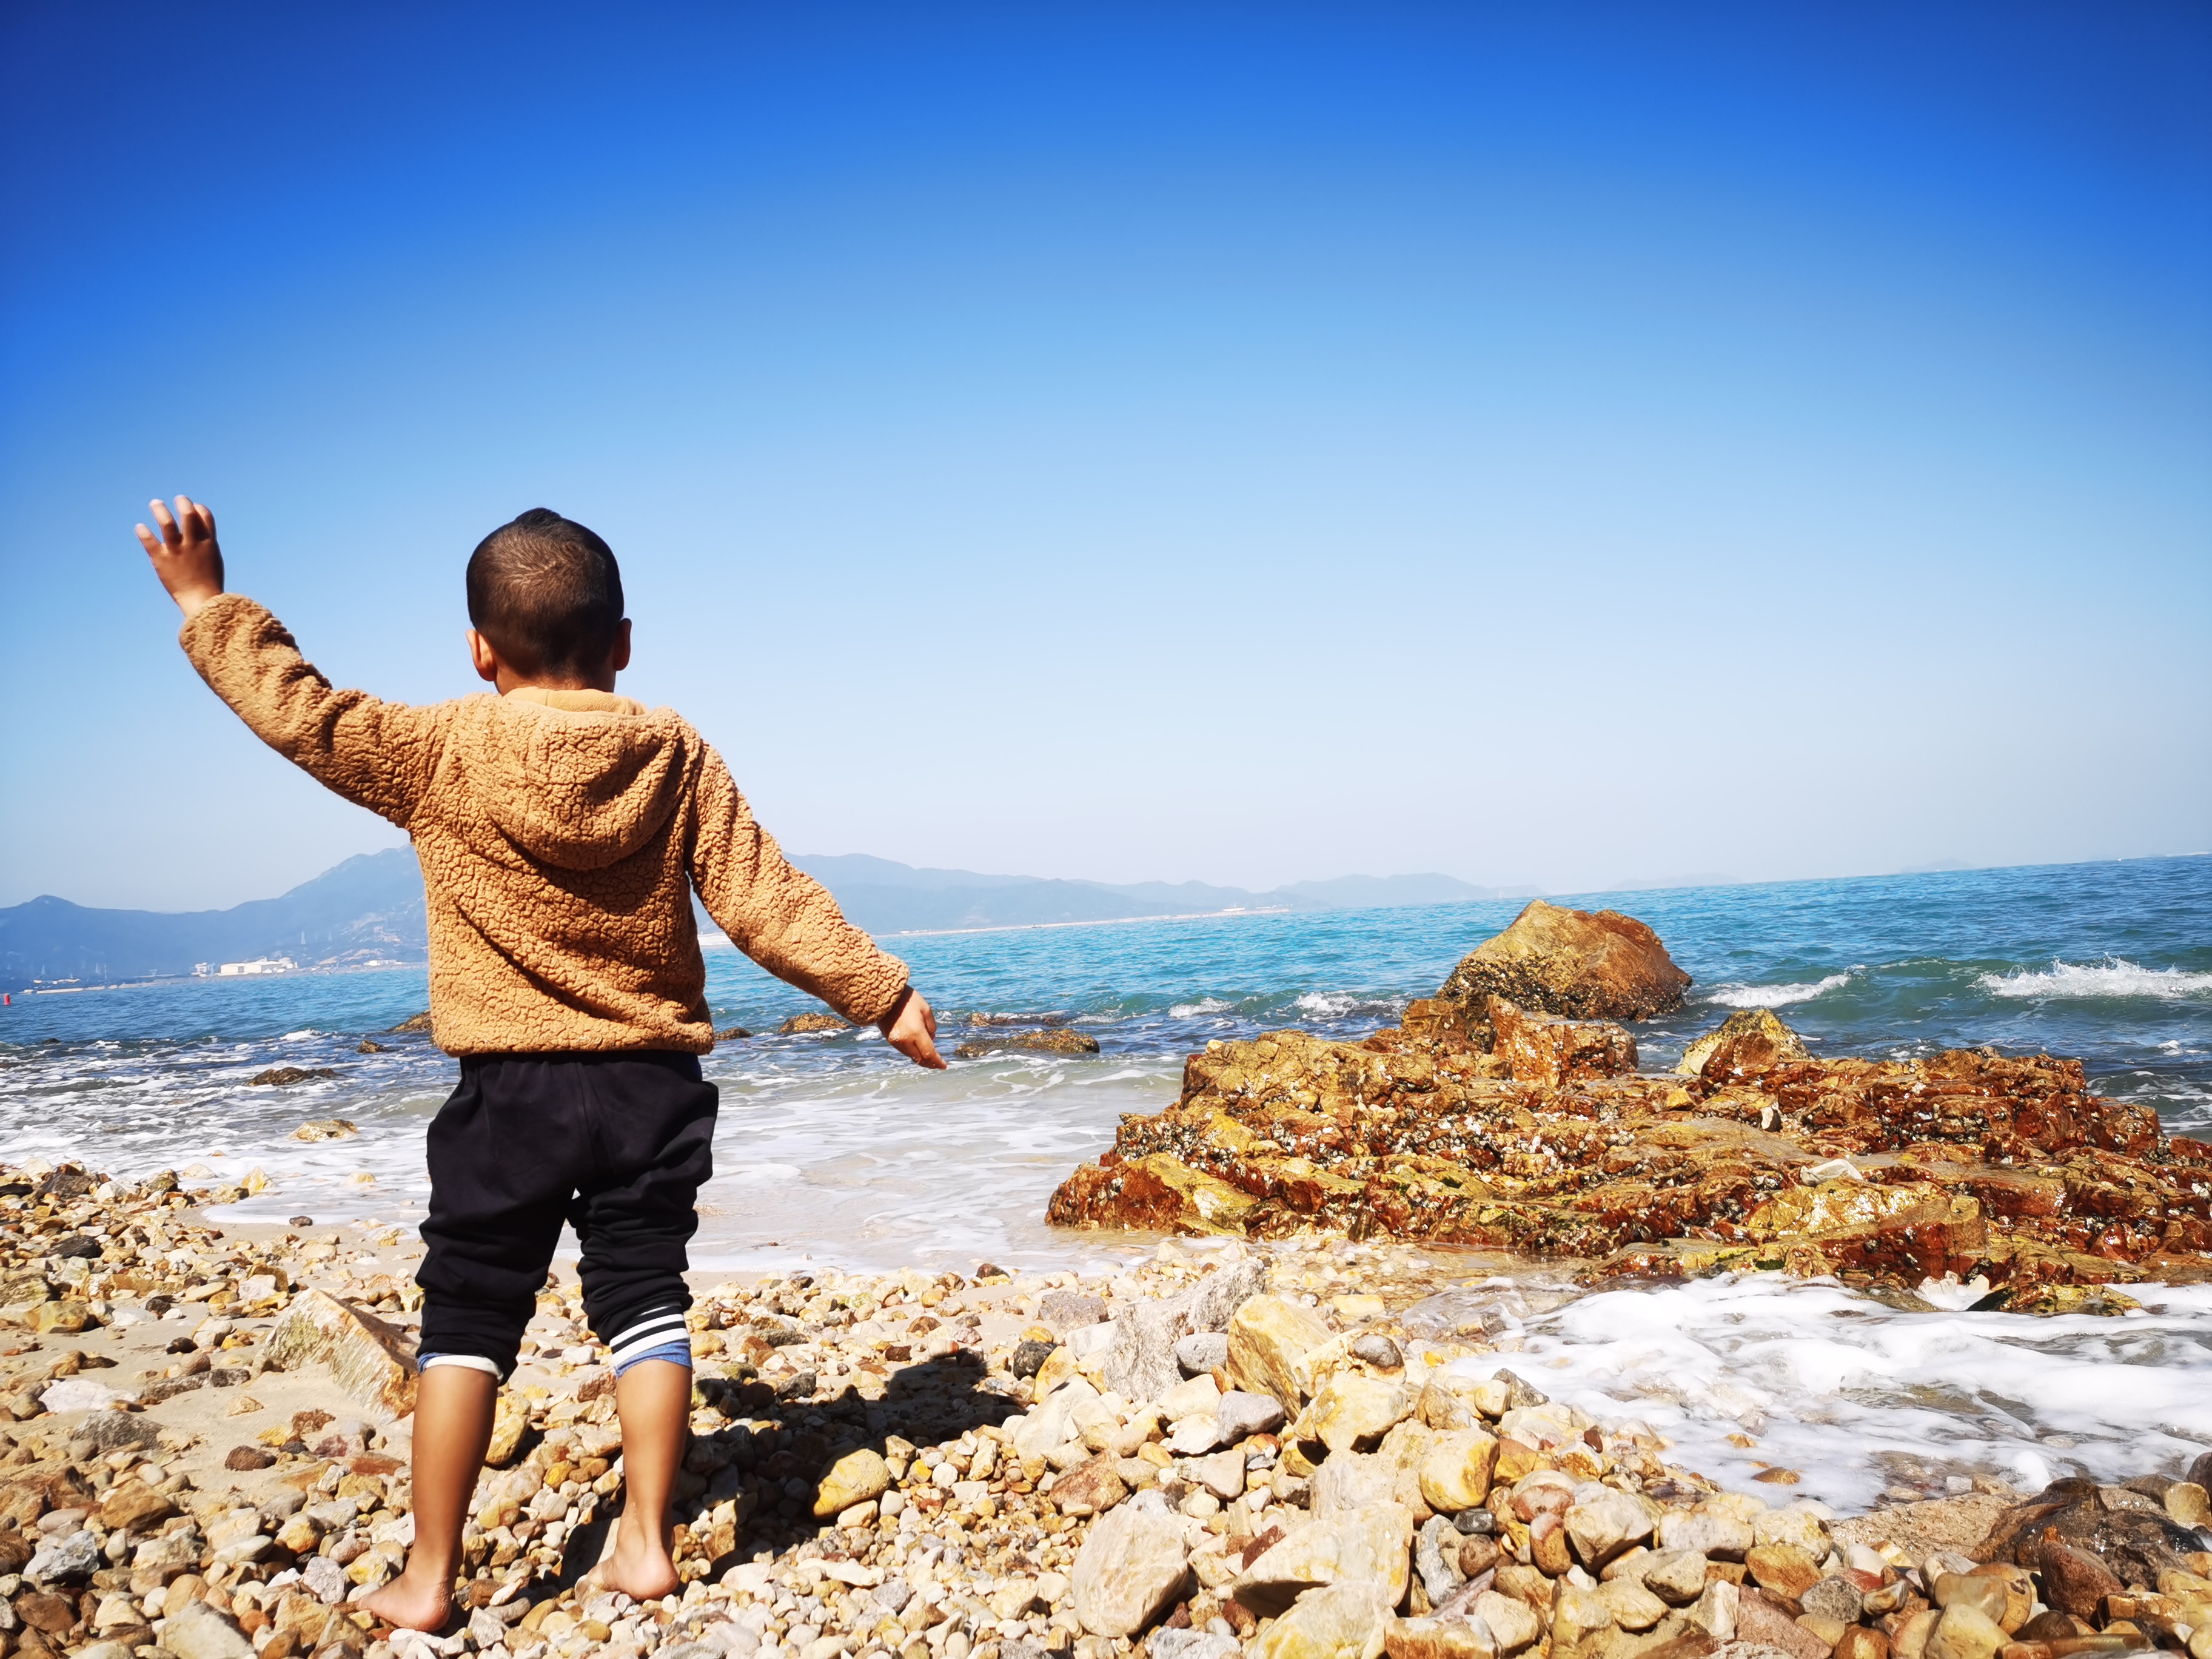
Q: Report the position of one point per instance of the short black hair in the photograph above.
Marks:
(547, 593)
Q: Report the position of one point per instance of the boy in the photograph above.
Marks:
(562, 831)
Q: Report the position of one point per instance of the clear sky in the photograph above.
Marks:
(1547, 444)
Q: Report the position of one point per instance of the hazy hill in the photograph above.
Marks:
(370, 907)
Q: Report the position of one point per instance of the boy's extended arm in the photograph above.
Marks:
(777, 914)
(377, 755)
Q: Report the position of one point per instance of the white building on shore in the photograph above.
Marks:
(259, 965)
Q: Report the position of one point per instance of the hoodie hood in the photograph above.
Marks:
(578, 780)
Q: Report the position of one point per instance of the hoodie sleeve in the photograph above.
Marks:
(377, 755)
(777, 914)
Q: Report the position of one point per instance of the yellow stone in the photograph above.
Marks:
(510, 1422)
(1351, 1412)
(858, 1477)
(1277, 1347)
(67, 1317)
(1456, 1474)
(1341, 1621)
(1058, 1367)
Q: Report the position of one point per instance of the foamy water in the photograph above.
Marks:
(832, 1150)
(1856, 1397)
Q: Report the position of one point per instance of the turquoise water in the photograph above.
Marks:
(833, 1152)
(832, 1144)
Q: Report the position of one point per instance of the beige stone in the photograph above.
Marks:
(1715, 1612)
(1455, 1474)
(1338, 1621)
(1193, 1396)
(134, 1506)
(371, 1362)
(1910, 1640)
(1964, 1631)
(1130, 1568)
(1513, 1623)
(1677, 1577)
(858, 1477)
(1605, 1525)
(1796, 1525)
(1277, 1347)
(1352, 1412)
(1634, 1607)
(1439, 1638)
(1375, 1545)
(1707, 1533)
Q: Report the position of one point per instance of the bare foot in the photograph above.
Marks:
(639, 1568)
(414, 1602)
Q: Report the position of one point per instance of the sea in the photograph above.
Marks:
(834, 1154)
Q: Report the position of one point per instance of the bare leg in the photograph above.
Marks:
(654, 1399)
(453, 1409)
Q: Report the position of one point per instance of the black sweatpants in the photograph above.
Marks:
(615, 1145)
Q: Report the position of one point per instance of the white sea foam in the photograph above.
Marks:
(1328, 1004)
(1774, 996)
(1847, 1391)
(2112, 977)
(1204, 1005)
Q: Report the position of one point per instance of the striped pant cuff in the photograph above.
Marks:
(657, 1328)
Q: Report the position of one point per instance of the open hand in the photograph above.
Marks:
(186, 556)
(911, 1029)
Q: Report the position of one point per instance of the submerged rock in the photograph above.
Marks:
(1572, 964)
(1057, 1041)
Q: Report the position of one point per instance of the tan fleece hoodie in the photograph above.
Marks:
(560, 834)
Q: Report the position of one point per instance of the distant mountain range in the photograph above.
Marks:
(369, 908)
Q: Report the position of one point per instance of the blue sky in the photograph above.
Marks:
(1548, 444)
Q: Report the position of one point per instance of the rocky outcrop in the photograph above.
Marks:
(809, 1025)
(1881, 1171)
(1052, 1040)
(1572, 965)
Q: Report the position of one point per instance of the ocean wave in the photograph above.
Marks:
(1205, 1006)
(1328, 1004)
(1774, 996)
(2114, 976)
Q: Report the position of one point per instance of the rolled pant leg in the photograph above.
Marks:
(502, 1154)
(653, 1125)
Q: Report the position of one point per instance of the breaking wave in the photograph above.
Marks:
(1774, 996)
(2112, 977)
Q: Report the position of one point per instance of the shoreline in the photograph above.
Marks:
(982, 1448)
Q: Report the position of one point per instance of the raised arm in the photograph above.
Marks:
(377, 755)
(785, 920)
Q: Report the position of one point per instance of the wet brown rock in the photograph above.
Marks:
(280, 1075)
(1056, 1041)
(806, 1024)
(1881, 1172)
(2129, 1536)
(1538, 1049)
(1749, 1042)
(1571, 963)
